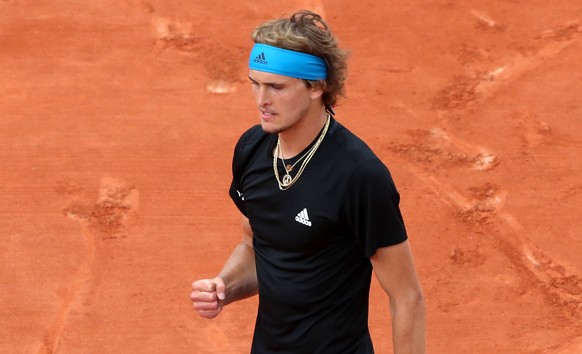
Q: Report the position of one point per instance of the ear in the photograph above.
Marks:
(316, 92)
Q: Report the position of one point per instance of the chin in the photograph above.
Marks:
(271, 129)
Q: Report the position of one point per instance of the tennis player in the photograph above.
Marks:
(321, 211)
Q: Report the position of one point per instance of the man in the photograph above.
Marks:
(320, 210)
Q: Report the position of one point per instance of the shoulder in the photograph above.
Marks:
(357, 161)
(250, 140)
(248, 145)
(349, 144)
(353, 150)
(253, 134)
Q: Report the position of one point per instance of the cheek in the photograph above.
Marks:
(254, 91)
(295, 98)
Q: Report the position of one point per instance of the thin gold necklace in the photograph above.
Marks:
(287, 180)
(290, 168)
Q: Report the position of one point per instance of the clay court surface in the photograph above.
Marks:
(118, 122)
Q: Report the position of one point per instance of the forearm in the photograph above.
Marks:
(239, 274)
(408, 326)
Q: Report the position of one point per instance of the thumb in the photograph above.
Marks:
(220, 288)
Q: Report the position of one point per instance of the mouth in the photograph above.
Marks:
(267, 115)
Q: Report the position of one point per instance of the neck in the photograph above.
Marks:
(297, 138)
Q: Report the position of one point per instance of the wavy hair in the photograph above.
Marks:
(307, 32)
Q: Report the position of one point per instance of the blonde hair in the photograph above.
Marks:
(307, 32)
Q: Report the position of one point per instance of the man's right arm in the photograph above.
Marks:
(236, 281)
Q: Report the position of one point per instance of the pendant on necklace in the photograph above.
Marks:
(286, 180)
(289, 168)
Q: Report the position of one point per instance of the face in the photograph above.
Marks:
(282, 101)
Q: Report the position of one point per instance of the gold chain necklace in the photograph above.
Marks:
(290, 168)
(288, 181)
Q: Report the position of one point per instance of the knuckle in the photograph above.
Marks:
(205, 305)
(198, 295)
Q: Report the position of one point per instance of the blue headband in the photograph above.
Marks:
(286, 62)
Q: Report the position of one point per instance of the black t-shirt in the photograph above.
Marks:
(313, 241)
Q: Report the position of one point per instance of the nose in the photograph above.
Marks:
(263, 97)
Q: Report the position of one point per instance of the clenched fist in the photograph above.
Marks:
(207, 296)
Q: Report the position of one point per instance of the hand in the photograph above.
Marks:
(207, 296)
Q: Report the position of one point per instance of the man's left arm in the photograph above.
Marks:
(394, 268)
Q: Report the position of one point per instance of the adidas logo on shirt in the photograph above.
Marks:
(260, 59)
(303, 217)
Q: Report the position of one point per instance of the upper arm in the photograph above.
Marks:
(394, 268)
(371, 205)
(247, 232)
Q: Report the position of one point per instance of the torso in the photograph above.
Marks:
(314, 273)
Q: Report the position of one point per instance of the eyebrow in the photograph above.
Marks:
(266, 83)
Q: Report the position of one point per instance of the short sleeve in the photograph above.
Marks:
(235, 190)
(244, 150)
(372, 207)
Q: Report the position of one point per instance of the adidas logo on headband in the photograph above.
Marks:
(260, 59)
